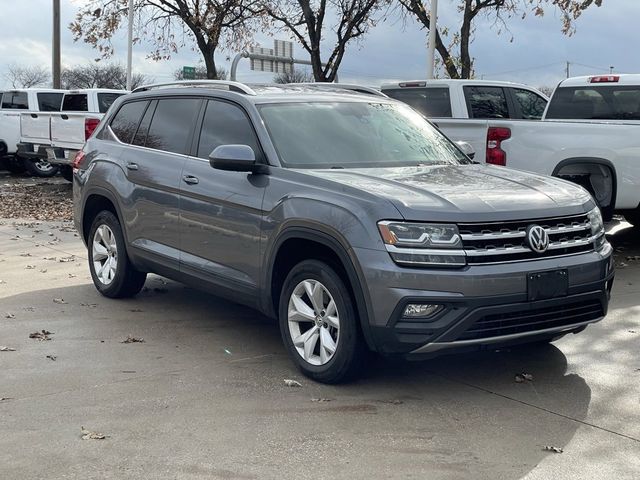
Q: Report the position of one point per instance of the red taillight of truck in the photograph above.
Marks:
(495, 137)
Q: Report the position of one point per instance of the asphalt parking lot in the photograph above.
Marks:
(204, 395)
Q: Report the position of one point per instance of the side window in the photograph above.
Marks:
(15, 101)
(172, 123)
(75, 102)
(226, 124)
(486, 102)
(50, 102)
(125, 122)
(140, 137)
(531, 104)
(105, 100)
(431, 102)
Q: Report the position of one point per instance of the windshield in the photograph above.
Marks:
(355, 135)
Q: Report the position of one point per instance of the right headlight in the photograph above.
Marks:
(423, 244)
(597, 227)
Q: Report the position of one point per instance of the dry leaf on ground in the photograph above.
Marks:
(41, 335)
(132, 339)
(9, 315)
(89, 435)
(59, 300)
(52, 357)
(292, 383)
(550, 448)
(524, 377)
(6, 349)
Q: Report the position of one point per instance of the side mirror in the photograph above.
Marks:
(467, 149)
(235, 158)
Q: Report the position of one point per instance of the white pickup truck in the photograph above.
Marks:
(52, 139)
(12, 104)
(463, 108)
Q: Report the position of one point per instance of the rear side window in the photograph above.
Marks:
(75, 102)
(171, 125)
(226, 124)
(431, 102)
(50, 102)
(105, 100)
(486, 102)
(531, 104)
(125, 122)
(595, 103)
(15, 100)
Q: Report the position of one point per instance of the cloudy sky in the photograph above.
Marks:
(537, 55)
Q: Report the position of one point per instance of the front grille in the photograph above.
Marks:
(505, 242)
(498, 324)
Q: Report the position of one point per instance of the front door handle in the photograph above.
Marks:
(132, 166)
(190, 179)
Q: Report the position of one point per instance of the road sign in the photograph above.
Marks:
(278, 59)
(189, 73)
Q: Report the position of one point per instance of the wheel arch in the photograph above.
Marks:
(96, 200)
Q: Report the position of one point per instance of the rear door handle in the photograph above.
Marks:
(132, 166)
(190, 179)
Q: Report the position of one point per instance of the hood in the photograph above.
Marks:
(468, 192)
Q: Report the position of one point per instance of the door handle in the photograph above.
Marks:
(190, 179)
(132, 166)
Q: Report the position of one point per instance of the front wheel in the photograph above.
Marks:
(318, 323)
(111, 270)
(40, 167)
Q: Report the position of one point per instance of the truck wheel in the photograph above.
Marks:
(318, 323)
(111, 270)
(40, 167)
(13, 165)
(633, 217)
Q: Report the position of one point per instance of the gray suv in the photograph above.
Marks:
(346, 216)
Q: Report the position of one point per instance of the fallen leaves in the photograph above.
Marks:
(89, 435)
(549, 448)
(59, 300)
(30, 267)
(9, 315)
(523, 377)
(6, 349)
(321, 400)
(292, 383)
(52, 357)
(44, 200)
(132, 339)
(42, 335)
(67, 259)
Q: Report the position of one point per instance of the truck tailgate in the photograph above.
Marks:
(67, 129)
(34, 128)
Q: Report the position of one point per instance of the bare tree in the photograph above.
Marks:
(548, 91)
(294, 76)
(305, 20)
(201, 73)
(460, 64)
(27, 76)
(168, 25)
(96, 75)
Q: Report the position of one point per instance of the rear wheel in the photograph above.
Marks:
(318, 323)
(13, 165)
(111, 270)
(40, 167)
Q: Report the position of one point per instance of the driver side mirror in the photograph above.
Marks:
(235, 158)
(467, 149)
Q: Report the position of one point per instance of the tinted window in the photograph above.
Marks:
(431, 102)
(75, 102)
(531, 104)
(595, 103)
(50, 102)
(172, 123)
(140, 137)
(15, 100)
(105, 100)
(486, 102)
(226, 124)
(125, 122)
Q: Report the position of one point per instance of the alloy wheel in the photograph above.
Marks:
(104, 254)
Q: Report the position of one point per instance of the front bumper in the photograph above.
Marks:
(484, 305)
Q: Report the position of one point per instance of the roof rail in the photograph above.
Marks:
(232, 86)
(344, 86)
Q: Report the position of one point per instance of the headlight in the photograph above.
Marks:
(595, 219)
(423, 244)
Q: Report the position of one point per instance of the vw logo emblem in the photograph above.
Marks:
(537, 238)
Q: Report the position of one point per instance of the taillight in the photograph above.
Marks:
(77, 160)
(605, 79)
(90, 125)
(495, 136)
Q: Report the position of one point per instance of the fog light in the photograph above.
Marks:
(421, 310)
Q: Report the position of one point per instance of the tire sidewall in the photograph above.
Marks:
(110, 220)
(346, 347)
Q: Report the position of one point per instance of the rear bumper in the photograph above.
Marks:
(54, 155)
(32, 150)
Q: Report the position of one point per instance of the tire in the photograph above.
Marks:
(106, 245)
(13, 165)
(340, 332)
(633, 217)
(40, 168)
(67, 173)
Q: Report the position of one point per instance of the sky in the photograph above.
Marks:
(534, 52)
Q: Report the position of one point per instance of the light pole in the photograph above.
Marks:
(129, 45)
(433, 29)
(55, 61)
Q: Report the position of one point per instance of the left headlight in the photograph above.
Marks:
(423, 244)
(595, 219)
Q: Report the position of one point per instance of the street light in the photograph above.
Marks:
(433, 29)
(130, 45)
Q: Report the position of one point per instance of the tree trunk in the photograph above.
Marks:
(465, 38)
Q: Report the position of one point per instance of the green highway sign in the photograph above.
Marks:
(189, 73)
